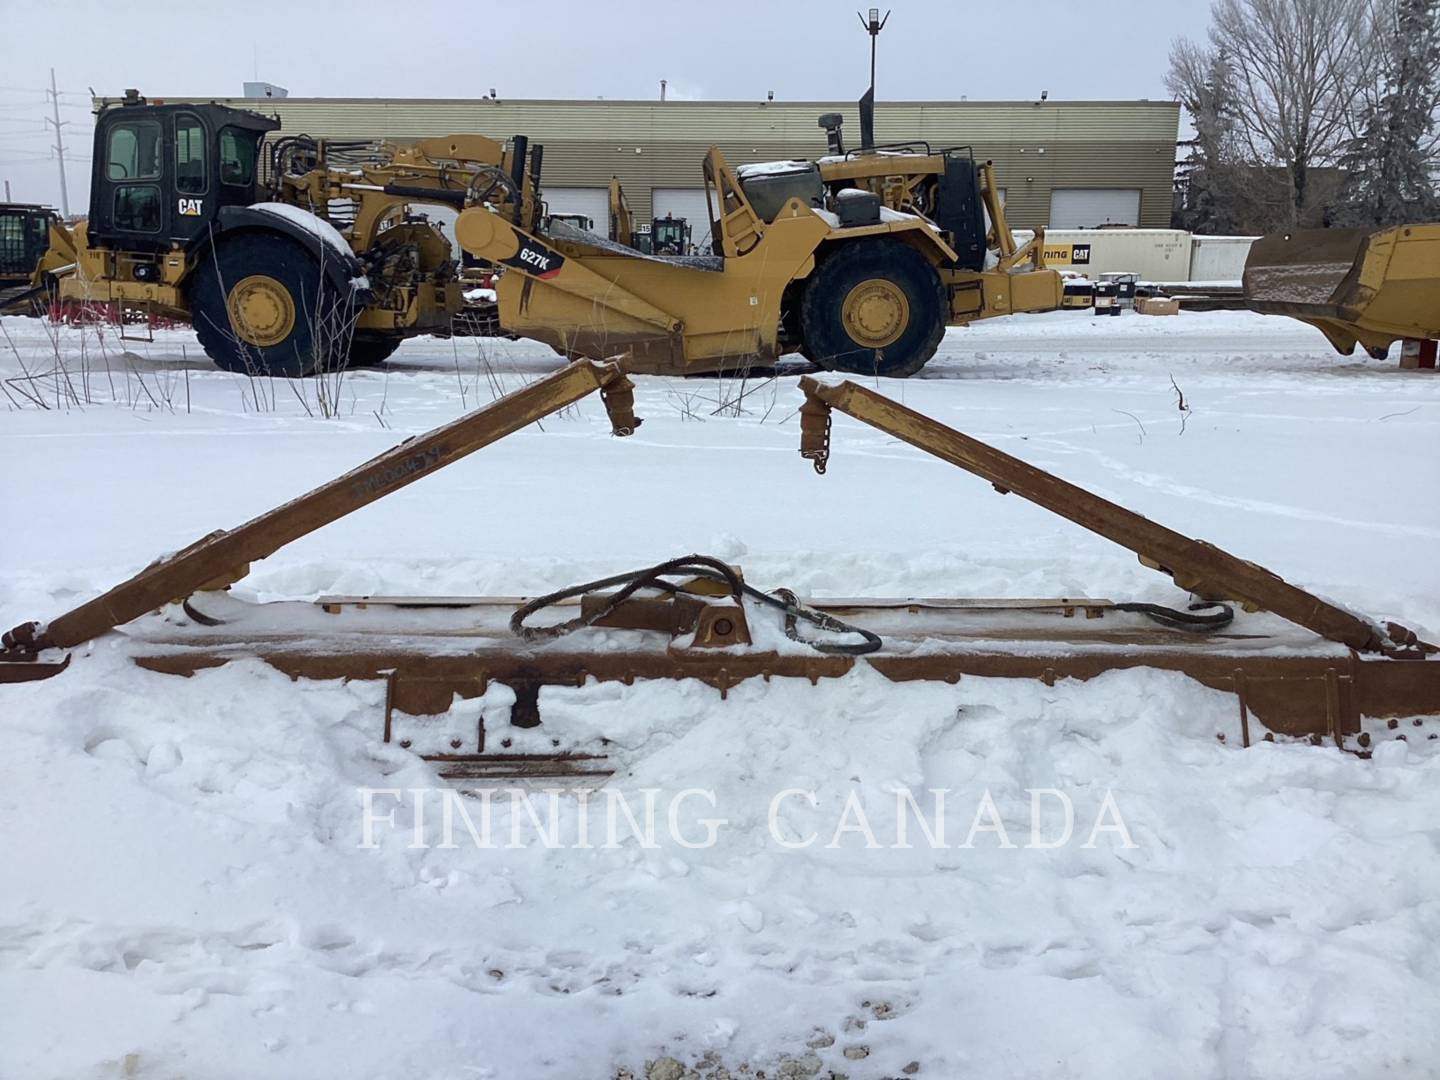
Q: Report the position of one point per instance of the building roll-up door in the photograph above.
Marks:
(1087, 208)
(594, 203)
(690, 204)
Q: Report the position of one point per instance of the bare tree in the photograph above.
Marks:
(1295, 70)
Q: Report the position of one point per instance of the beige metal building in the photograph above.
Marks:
(1072, 164)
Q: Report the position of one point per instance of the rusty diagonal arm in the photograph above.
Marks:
(223, 557)
(1195, 565)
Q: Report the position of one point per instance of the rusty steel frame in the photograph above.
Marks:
(1297, 694)
(1319, 683)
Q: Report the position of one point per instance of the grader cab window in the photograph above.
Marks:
(133, 152)
(12, 245)
(137, 208)
(237, 157)
(190, 155)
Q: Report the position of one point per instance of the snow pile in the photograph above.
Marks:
(1276, 909)
(185, 860)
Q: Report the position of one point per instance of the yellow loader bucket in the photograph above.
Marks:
(1354, 285)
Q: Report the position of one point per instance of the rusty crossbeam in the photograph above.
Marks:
(1195, 565)
(225, 556)
(429, 656)
(1292, 694)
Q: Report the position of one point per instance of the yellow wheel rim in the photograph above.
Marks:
(875, 313)
(261, 311)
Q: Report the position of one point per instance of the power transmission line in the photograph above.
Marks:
(59, 146)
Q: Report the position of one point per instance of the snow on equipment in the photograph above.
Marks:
(465, 677)
(1355, 286)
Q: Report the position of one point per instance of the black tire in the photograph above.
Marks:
(372, 350)
(827, 341)
(319, 334)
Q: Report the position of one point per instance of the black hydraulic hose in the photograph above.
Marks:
(702, 566)
(1196, 619)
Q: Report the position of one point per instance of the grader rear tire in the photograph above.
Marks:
(372, 350)
(260, 305)
(873, 307)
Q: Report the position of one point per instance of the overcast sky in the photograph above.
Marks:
(930, 50)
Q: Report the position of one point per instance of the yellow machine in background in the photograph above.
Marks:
(1355, 286)
(35, 251)
(313, 259)
(858, 262)
(306, 262)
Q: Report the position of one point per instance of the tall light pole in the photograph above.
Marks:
(873, 26)
(59, 145)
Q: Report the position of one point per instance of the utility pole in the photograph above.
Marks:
(59, 145)
(7, 190)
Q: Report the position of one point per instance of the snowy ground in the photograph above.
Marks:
(185, 893)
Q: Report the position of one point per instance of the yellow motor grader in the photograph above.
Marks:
(309, 264)
(35, 249)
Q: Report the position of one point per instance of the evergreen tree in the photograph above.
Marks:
(1208, 175)
(1389, 163)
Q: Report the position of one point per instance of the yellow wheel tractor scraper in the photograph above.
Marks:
(1356, 286)
(858, 262)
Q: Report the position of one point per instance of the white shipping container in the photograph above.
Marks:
(1154, 254)
(1219, 258)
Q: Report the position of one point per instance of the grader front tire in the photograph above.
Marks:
(261, 305)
